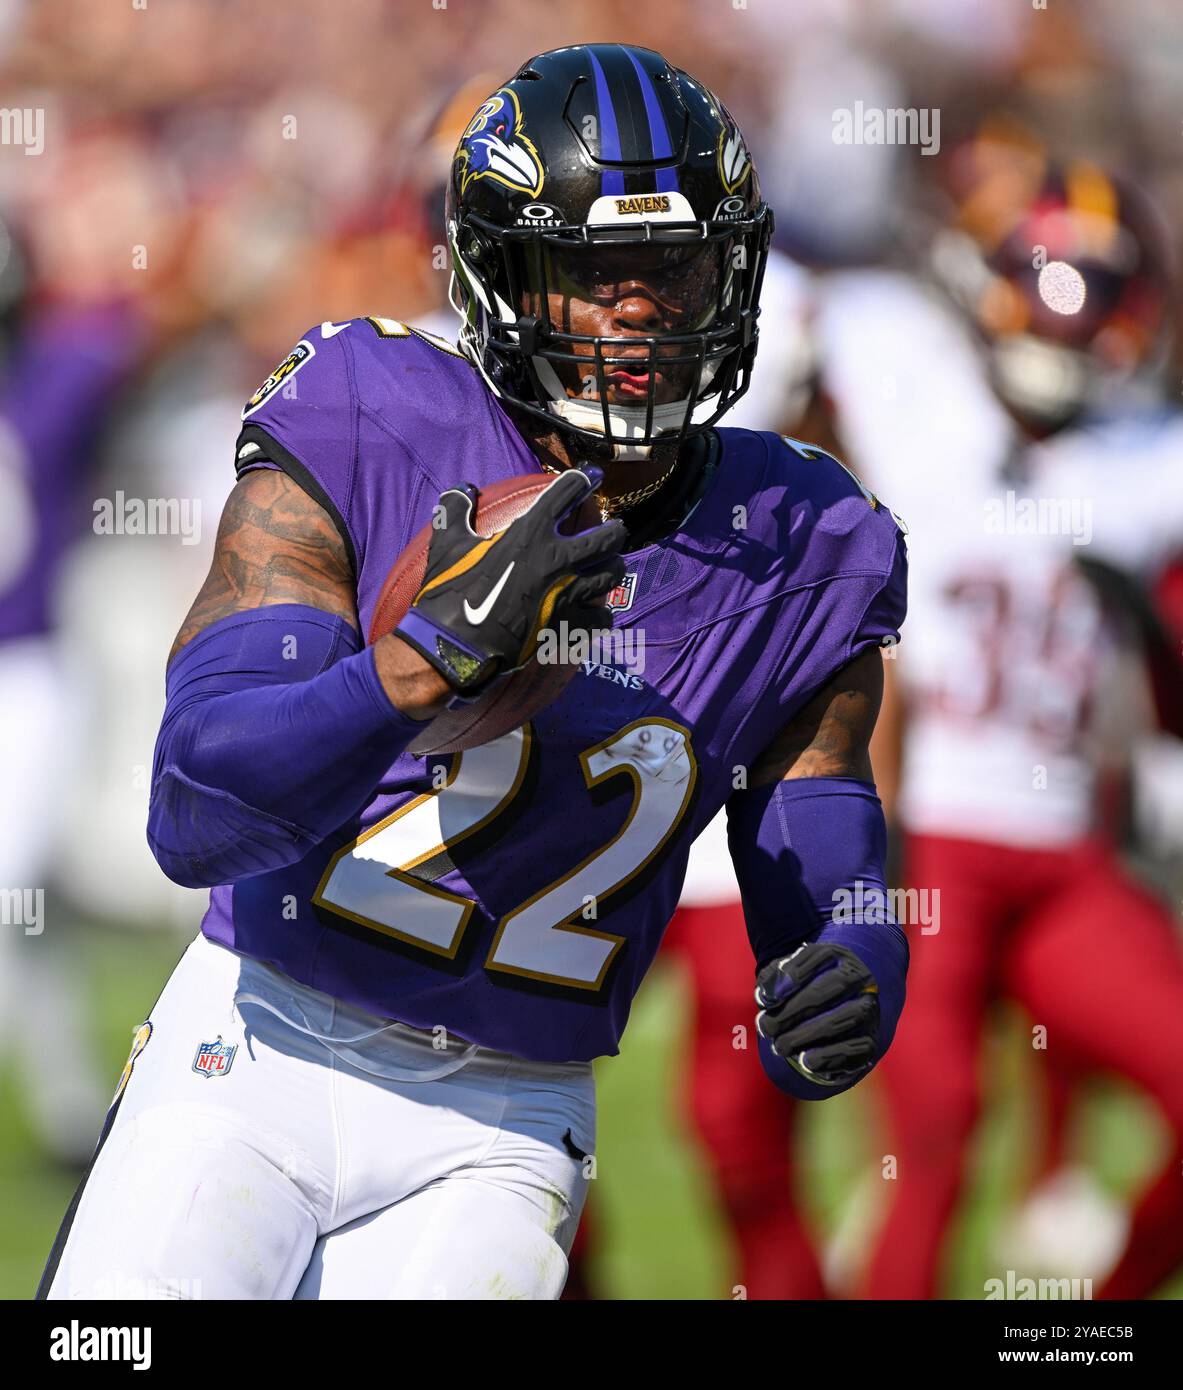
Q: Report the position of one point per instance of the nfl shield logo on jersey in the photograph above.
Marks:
(214, 1058)
(620, 600)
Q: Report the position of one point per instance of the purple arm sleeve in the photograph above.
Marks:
(276, 731)
(809, 856)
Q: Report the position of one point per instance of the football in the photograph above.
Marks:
(513, 701)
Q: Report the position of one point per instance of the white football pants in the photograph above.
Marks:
(330, 1155)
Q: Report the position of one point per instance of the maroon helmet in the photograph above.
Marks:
(1064, 272)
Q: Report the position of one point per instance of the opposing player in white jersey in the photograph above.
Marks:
(1023, 485)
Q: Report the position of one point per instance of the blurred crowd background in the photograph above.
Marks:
(216, 175)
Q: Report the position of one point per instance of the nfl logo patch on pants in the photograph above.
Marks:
(214, 1058)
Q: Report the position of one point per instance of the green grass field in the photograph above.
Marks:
(658, 1231)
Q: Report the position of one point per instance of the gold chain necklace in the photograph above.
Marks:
(613, 506)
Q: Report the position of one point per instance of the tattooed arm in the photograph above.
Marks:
(279, 723)
(831, 735)
(277, 546)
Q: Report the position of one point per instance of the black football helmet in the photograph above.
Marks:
(600, 172)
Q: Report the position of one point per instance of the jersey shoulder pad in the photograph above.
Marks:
(332, 364)
(304, 407)
(389, 330)
(319, 367)
(827, 479)
(849, 532)
(411, 369)
(309, 401)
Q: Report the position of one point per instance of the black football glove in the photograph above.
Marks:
(485, 600)
(820, 1011)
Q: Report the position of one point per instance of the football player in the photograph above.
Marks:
(370, 1075)
(1042, 465)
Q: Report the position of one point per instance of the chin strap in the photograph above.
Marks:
(631, 453)
(628, 425)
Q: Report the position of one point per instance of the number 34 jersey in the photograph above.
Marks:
(515, 894)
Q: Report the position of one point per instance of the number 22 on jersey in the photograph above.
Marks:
(371, 882)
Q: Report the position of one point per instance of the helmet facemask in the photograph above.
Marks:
(608, 240)
(693, 291)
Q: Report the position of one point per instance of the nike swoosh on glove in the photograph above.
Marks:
(819, 1008)
(484, 600)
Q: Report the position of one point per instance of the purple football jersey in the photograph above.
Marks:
(516, 894)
